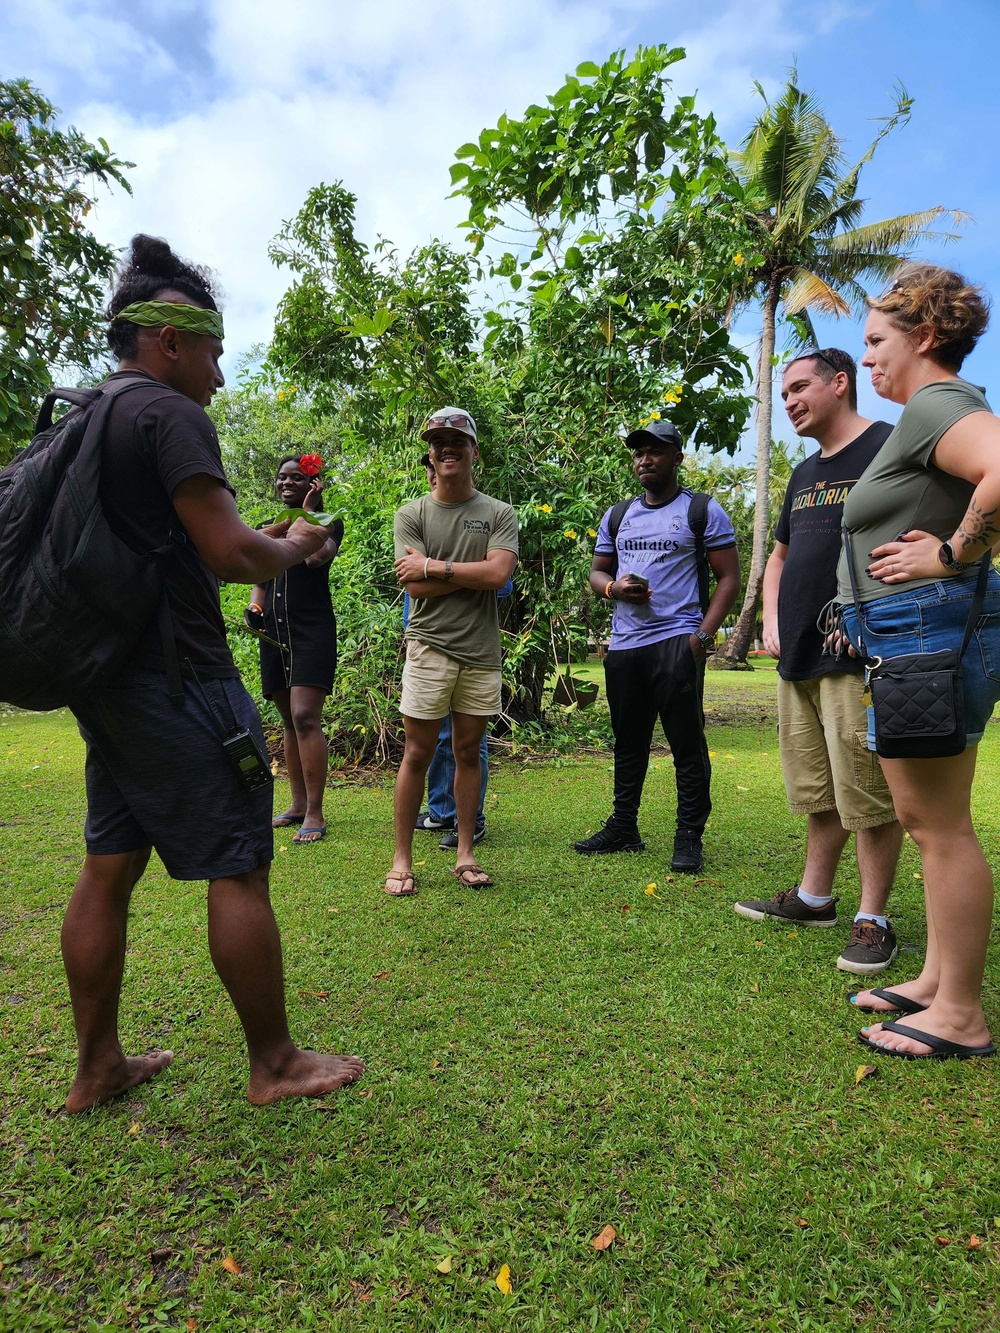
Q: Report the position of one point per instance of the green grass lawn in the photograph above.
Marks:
(565, 1052)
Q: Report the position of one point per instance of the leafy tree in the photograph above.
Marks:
(53, 271)
(611, 312)
(808, 251)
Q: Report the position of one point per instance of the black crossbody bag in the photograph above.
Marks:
(918, 698)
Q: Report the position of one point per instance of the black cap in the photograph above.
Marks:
(425, 461)
(664, 432)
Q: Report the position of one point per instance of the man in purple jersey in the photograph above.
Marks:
(660, 637)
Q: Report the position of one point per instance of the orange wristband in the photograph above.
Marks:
(254, 607)
(607, 590)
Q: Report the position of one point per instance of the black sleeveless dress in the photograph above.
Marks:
(298, 614)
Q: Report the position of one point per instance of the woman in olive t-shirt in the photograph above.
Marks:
(921, 516)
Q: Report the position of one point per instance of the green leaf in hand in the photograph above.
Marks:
(323, 520)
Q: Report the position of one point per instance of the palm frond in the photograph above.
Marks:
(893, 234)
(809, 290)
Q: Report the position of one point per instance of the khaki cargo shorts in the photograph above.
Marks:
(825, 760)
(435, 685)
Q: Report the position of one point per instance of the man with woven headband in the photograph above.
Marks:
(455, 548)
(158, 773)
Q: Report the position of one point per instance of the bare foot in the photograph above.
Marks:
(92, 1089)
(287, 819)
(307, 1074)
(973, 1033)
(910, 990)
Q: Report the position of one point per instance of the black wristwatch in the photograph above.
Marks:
(707, 641)
(948, 558)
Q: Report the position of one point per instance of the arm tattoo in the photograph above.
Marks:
(978, 528)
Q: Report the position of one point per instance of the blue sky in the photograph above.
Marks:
(232, 109)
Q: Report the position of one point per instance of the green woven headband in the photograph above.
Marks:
(154, 314)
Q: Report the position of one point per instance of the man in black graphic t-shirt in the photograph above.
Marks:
(830, 775)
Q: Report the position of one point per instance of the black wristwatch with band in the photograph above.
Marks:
(707, 641)
(947, 557)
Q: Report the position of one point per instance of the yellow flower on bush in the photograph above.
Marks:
(281, 395)
(544, 509)
(737, 260)
(591, 532)
(673, 394)
(570, 533)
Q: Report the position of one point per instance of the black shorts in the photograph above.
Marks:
(309, 659)
(157, 775)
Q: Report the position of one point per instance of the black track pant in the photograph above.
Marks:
(659, 680)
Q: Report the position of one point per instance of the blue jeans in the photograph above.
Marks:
(441, 779)
(929, 619)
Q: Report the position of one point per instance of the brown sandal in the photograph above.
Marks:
(404, 879)
(472, 869)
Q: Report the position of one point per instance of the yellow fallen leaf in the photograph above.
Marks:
(230, 1265)
(420, 863)
(863, 1071)
(605, 1239)
(445, 1265)
(742, 788)
(436, 1064)
(917, 874)
(711, 754)
(335, 910)
(503, 1280)
(793, 934)
(974, 1243)
(135, 1127)
(651, 890)
(282, 849)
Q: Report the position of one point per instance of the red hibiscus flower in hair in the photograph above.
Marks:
(310, 464)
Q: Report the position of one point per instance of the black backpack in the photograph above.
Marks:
(74, 598)
(697, 522)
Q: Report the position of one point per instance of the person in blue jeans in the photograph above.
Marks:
(440, 815)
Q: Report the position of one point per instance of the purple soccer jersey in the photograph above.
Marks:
(657, 543)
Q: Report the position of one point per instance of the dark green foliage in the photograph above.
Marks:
(53, 271)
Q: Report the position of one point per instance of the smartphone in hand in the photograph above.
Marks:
(639, 579)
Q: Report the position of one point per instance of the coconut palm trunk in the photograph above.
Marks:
(738, 644)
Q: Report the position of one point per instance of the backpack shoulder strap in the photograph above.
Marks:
(615, 519)
(697, 522)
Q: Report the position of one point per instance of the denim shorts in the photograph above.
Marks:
(157, 775)
(933, 617)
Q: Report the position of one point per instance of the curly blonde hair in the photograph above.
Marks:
(924, 294)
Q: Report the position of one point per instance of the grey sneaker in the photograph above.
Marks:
(788, 906)
(870, 949)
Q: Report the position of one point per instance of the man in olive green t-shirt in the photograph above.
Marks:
(454, 549)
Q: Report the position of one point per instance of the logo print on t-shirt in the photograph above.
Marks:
(478, 525)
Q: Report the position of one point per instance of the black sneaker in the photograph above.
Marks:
(871, 948)
(687, 857)
(450, 840)
(611, 838)
(788, 906)
(428, 824)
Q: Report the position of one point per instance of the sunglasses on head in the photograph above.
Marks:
(822, 356)
(457, 420)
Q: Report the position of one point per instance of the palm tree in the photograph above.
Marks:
(804, 214)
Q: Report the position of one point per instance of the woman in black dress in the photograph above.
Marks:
(298, 615)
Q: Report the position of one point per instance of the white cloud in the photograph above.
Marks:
(378, 95)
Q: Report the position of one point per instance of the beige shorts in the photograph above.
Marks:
(825, 760)
(435, 685)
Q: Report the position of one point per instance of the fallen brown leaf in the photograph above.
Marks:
(974, 1243)
(801, 1222)
(192, 1325)
(943, 1240)
(380, 976)
(230, 1265)
(160, 1254)
(863, 1071)
(606, 1238)
(367, 1093)
(436, 1064)
(39, 1050)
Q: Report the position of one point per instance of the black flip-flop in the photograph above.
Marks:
(941, 1048)
(308, 842)
(903, 1005)
(286, 821)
